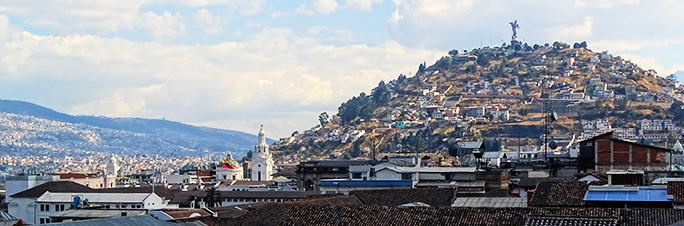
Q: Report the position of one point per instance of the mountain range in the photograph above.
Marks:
(30, 129)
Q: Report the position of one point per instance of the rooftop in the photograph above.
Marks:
(95, 213)
(93, 197)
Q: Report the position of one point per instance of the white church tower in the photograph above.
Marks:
(262, 161)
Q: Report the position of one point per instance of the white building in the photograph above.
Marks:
(182, 179)
(36, 205)
(50, 203)
(229, 169)
(262, 163)
(15, 184)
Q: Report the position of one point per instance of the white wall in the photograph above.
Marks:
(153, 202)
(16, 184)
(23, 208)
(388, 175)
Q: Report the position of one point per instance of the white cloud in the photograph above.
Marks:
(317, 7)
(76, 15)
(364, 5)
(324, 6)
(604, 3)
(245, 7)
(124, 102)
(314, 30)
(211, 22)
(273, 76)
(649, 62)
(304, 9)
(166, 25)
(573, 32)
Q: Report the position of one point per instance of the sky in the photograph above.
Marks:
(239, 64)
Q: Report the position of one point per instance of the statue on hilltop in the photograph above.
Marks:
(514, 26)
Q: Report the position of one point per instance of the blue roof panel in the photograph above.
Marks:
(641, 195)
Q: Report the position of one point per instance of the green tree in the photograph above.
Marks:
(357, 107)
(323, 118)
(213, 198)
(482, 60)
(381, 94)
(421, 68)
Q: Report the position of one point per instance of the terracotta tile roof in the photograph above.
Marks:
(391, 215)
(560, 193)
(396, 197)
(329, 200)
(52, 186)
(185, 213)
(570, 220)
(676, 189)
(267, 194)
(531, 183)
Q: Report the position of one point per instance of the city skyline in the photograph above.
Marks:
(237, 64)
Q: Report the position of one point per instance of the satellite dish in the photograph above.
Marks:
(454, 149)
(554, 116)
(553, 145)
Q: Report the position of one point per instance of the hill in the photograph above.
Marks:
(498, 95)
(31, 129)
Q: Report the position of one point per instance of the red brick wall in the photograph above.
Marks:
(639, 154)
(620, 152)
(603, 151)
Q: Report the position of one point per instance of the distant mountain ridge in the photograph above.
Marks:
(153, 136)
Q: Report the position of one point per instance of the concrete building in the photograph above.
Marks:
(90, 180)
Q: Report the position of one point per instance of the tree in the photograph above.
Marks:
(672, 77)
(213, 198)
(248, 157)
(357, 107)
(482, 60)
(323, 118)
(536, 46)
(421, 68)
(381, 94)
(453, 53)
(401, 79)
(444, 62)
(583, 44)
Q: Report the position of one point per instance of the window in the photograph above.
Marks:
(406, 176)
(44, 220)
(59, 207)
(44, 207)
(356, 175)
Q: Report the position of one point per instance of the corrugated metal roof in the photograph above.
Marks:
(144, 220)
(639, 195)
(94, 197)
(7, 217)
(497, 202)
(96, 213)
